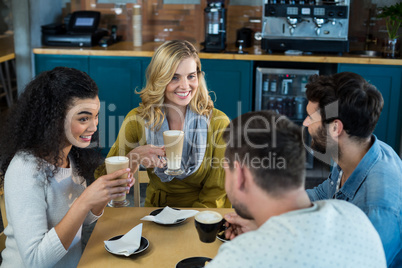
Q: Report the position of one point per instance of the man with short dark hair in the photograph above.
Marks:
(343, 110)
(265, 175)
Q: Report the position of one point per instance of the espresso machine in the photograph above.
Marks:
(215, 27)
(305, 25)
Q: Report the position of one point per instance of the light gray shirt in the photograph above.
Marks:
(332, 233)
(34, 206)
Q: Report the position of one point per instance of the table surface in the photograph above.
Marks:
(6, 48)
(167, 244)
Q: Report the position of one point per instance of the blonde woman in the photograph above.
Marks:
(176, 98)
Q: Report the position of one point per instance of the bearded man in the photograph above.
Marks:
(342, 112)
(291, 230)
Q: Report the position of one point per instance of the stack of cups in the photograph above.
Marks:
(137, 25)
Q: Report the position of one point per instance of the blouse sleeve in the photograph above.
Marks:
(213, 192)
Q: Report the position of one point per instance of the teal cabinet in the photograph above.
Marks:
(117, 78)
(48, 62)
(231, 82)
(388, 80)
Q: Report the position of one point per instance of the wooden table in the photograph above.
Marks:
(168, 244)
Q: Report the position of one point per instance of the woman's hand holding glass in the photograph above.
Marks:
(149, 156)
(106, 188)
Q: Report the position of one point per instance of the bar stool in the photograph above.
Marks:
(5, 79)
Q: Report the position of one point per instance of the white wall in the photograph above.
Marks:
(28, 17)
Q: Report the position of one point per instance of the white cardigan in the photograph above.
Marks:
(34, 206)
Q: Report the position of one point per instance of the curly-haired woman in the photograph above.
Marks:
(176, 98)
(44, 161)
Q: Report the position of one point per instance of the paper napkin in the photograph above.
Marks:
(128, 243)
(169, 215)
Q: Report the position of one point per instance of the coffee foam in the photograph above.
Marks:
(117, 159)
(173, 133)
(208, 217)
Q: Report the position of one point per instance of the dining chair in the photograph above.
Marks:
(3, 209)
(140, 176)
(2, 241)
(4, 218)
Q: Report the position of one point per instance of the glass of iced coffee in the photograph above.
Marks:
(173, 140)
(115, 163)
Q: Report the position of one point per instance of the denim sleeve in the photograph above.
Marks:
(388, 226)
(320, 192)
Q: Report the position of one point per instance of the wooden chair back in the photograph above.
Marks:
(141, 176)
(2, 241)
(4, 219)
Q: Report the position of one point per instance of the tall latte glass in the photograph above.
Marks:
(115, 163)
(173, 140)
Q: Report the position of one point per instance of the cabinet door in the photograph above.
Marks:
(48, 62)
(117, 79)
(231, 81)
(387, 79)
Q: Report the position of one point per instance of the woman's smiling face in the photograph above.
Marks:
(183, 85)
(81, 121)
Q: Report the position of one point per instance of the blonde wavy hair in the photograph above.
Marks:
(160, 72)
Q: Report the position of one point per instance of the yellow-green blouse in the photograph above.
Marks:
(204, 188)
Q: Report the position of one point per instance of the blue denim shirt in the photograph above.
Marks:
(375, 186)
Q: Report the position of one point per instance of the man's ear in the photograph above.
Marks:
(244, 178)
(335, 128)
(240, 179)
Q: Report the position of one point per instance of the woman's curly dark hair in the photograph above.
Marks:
(35, 124)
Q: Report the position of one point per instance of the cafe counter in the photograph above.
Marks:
(126, 49)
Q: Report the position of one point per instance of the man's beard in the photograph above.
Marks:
(319, 140)
(322, 144)
(242, 211)
(240, 208)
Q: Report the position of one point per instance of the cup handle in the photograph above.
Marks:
(224, 227)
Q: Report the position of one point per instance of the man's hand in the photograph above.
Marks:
(237, 225)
